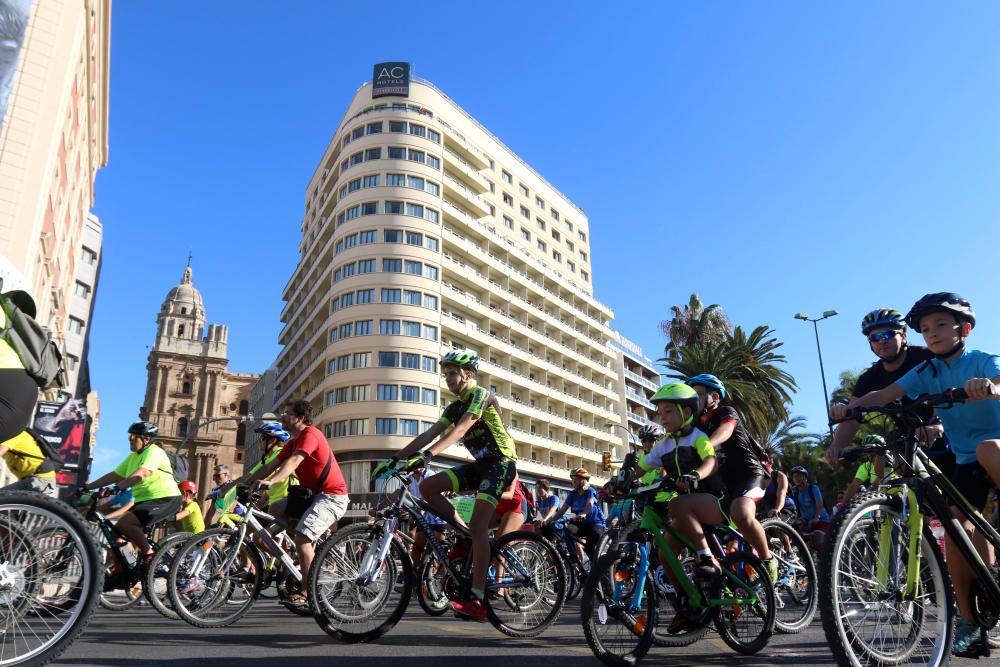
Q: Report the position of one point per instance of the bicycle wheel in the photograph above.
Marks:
(46, 596)
(670, 599)
(530, 574)
(431, 593)
(868, 622)
(746, 622)
(795, 591)
(214, 578)
(353, 598)
(155, 583)
(618, 633)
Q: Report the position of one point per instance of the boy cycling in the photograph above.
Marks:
(945, 320)
(475, 420)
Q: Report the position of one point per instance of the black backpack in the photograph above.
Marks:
(178, 465)
(30, 340)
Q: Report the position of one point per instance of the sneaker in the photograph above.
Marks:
(474, 610)
(772, 569)
(966, 642)
(707, 569)
(684, 623)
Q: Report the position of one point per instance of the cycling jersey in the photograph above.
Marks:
(488, 437)
(278, 490)
(679, 455)
(194, 522)
(546, 504)
(866, 473)
(739, 459)
(810, 507)
(876, 377)
(577, 501)
(160, 481)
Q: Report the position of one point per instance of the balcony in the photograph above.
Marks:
(638, 379)
(642, 421)
(636, 397)
(465, 194)
(466, 170)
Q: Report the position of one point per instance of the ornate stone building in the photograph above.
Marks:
(188, 385)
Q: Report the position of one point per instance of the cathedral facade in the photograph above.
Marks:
(188, 388)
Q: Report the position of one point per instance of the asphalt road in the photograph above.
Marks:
(270, 635)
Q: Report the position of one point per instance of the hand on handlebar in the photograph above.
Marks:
(979, 389)
(688, 482)
(838, 411)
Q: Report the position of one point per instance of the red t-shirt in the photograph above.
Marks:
(317, 450)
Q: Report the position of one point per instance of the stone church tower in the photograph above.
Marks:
(188, 384)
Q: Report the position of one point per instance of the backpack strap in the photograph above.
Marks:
(326, 472)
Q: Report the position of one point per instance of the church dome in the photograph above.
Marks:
(184, 298)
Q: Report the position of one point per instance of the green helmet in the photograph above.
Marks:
(680, 393)
(876, 440)
(462, 359)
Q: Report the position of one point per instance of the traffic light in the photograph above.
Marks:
(605, 461)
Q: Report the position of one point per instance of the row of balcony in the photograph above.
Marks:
(645, 382)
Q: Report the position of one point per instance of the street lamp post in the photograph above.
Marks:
(826, 396)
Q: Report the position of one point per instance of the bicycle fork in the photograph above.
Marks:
(372, 561)
(888, 548)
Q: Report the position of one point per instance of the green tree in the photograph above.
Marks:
(694, 324)
(787, 434)
(843, 393)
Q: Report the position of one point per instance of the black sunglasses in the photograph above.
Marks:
(882, 336)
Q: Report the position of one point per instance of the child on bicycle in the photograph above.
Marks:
(945, 320)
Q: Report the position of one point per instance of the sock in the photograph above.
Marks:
(705, 553)
(478, 593)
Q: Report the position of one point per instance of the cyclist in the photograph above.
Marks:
(777, 502)
(435, 524)
(886, 333)
(18, 390)
(475, 420)
(148, 473)
(323, 498)
(740, 468)
(588, 516)
(871, 473)
(190, 517)
(272, 438)
(28, 463)
(945, 320)
(813, 517)
(548, 504)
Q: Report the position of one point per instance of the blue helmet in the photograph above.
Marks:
(882, 317)
(710, 381)
(273, 430)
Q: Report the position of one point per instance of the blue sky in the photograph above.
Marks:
(772, 157)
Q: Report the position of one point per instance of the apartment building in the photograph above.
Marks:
(638, 380)
(422, 232)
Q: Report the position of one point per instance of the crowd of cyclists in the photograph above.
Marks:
(709, 468)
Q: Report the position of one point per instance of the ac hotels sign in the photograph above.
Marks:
(391, 79)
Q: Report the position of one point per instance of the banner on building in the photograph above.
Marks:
(64, 426)
(14, 15)
(389, 79)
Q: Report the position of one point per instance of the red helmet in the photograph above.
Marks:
(188, 485)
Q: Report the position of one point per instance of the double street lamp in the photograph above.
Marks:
(826, 396)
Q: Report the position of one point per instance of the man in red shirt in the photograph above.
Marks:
(309, 456)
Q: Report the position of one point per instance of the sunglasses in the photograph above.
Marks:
(882, 336)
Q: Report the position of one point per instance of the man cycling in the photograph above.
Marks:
(886, 333)
(813, 517)
(871, 473)
(475, 420)
(587, 513)
(945, 320)
(147, 471)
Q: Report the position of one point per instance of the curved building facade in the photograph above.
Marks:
(423, 232)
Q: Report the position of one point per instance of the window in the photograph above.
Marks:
(571, 266)
(555, 235)
(411, 329)
(388, 359)
(540, 224)
(508, 222)
(584, 275)
(357, 158)
(569, 226)
(583, 237)
(430, 301)
(387, 392)
(390, 295)
(396, 207)
(82, 290)
(425, 425)
(433, 215)
(385, 426)
(88, 256)
(397, 153)
(429, 364)
(76, 326)
(431, 243)
(350, 240)
(569, 245)
(340, 428)
(408, 426)
(433, 136)
(409, 393)
(395, 180)
(415, 182)
(347, 300)
(428, 396)
(507, 199)
(340, 396)
(349, 269)
(374, 128)
(361, 392)
(370, 181)
(359, 427)
(366, 266)
(433, 162)
(336, 275)
(392, 265)
(357, 133)
(525, 234)
(393, 236)
(415, 238)
(389, 327)
(343, 362)
(413, 268)
(397, 126)
(340, 219)
(362, 359)
(369, 208)
(540, 203)
(373, 154)
(344, 165)
(343, 192)
(430, 272)
(363, 328)
(416, 210)
(433, 188)
(409, 360)
(541, 245)
(418, 130)
(345, 330)
(430, 333)
(411, 298)
(583, 255)
(365, 296)
(556, 255)
(506, 177)
(340, 248)
(416, 156)
(367, 237)
(353, 212)
(525, 213)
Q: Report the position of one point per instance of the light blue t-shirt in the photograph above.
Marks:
(966, 424)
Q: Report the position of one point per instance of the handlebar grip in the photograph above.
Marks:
(957, 394)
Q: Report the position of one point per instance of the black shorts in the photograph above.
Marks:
(151, 512)
(488, 477)
(751, 487)
(973, 482)
(17, 402)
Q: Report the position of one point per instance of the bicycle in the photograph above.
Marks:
(565, 541)
(362, 578)
(889, 598)
(217, 575)
(795, 590)
(620, 610)
(45, 600)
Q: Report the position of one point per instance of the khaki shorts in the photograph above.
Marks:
(44, 485)
(321, 515)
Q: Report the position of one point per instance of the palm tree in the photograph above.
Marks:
(776, 441)
(843, 393)
(695, 324)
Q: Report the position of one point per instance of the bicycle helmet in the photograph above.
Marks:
(876, 440)
(581, 473)
(188, 485)
(462, 359)
(679, 393)
(800, 469)
(273, 430)
(144, 429)
(948, 302)
(710, 381)
(650, 432)
(882, 317)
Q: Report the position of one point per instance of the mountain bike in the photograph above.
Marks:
(888, 598)
(620, 610)
(46, 599)
(565, 541)
(796, 593)
(362, 578)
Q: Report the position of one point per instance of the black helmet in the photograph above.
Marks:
(882, 317)
(941, 302)
(144, 429)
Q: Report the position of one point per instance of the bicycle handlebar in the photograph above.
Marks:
(946, 398)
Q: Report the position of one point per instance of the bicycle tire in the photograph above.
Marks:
(749, 570)
(800, 597)
(46, 632)
(633, 630)
(156, 581)
(346, 610)
(661, 637)
(524, 612)
(430, 594)
(848, 555)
